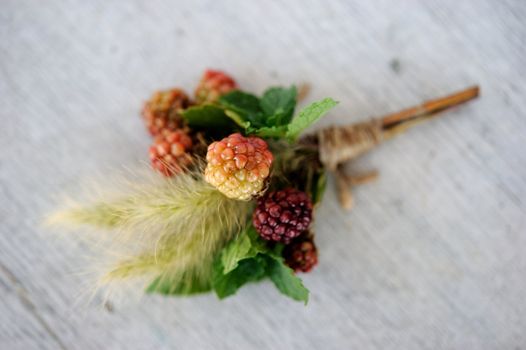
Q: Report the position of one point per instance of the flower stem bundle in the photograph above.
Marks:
(236, 188)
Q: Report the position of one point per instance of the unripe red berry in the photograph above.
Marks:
(169, 152)
(162, 112)
(213, 84)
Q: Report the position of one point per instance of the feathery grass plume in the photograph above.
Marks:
(171, 228)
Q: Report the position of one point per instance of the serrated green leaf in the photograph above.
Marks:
(248, 258)
(236, 118)
(245, 246)
(238, 249)
(278, 105)
(239, 100)
(208, 116)
(286, 281)
(248, 270)
(187, 285)
(246, 105)
(308, 116)
(272, 131)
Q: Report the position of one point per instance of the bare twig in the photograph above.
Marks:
(361, 179)
(430, 107)
(344, 182)
(303, 91)
(344, 192)
(338, 144)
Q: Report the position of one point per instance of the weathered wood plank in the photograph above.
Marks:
(21, 325)
(432, 255)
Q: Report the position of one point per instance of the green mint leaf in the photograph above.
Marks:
(249, 258)
(286, 281)
(248, 270)
(246, 245)
(278, 105)
(308, 116)
(187, 285)
(208, 116)
(239, 100)
(236, 250)
(236, 118)
(246, 105)
(271, 132)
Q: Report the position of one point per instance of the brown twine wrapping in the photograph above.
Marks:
(338, 144)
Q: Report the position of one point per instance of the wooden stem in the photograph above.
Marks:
(303, 91)
(361, 179)
(344, 192)
(344, 183)
(430, 107)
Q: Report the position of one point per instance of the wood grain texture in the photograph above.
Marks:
(432, 257)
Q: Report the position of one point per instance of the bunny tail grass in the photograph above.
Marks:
(168, 228)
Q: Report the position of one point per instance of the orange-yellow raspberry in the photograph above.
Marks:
(213, 85)
(169, 152)
(162, 112)
(238, 166)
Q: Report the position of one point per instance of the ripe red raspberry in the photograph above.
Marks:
(213, 84)
(301, 254)
(283, 215)
(238, 166)
(162, 111)
(168, 152)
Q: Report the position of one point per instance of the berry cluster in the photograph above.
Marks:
(171, 150)
(238, 166)
(284, 216)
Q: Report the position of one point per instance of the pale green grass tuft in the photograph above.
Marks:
(171, 228)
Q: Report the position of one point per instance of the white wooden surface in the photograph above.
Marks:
(432, 257)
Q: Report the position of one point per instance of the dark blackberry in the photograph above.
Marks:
(282, 215)
(301, 254)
